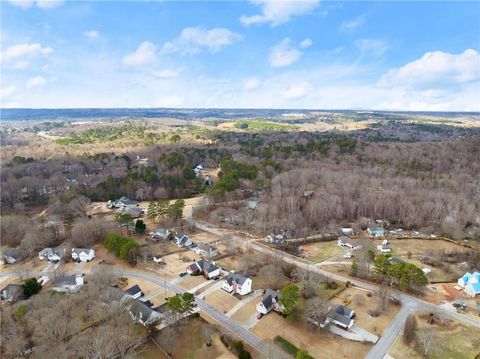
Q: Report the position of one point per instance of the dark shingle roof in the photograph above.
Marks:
(268, 298)
(339, 317)
(133, 290)
(65, 280)
(240, 279)
(340, 309)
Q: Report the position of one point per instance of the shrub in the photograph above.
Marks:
(291, 348)
(30, 287)
(119, 245)
(21, 311)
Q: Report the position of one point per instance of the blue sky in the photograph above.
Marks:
(258, 54)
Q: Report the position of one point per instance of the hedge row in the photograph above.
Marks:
(289, 347)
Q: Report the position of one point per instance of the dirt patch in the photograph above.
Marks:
(221, 300)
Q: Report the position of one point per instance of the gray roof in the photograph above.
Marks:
(133, 290)
(133, 211)
(207, 266)
(10, 290)
(81, 250)
(206, 247)
(161, 231)
(268, 298)
(180, 235)
(65, 280)
(141, 311)
(339, 317)
(239, 279)
(340, 309)
(12, 252)
(126, 200)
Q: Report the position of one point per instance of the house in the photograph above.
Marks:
(158, 259)
(198, 170)
(50, 254)
(160, 233)
(122, 202)
(142, 313)
(203, 267)
(11, 293)
(182, 240)
(12, 255)
(67, 283)
(348, 243)
(253, 203)
(307, 194)
(347, 231)
(376, 231)
(384, 249)
(269, 302)
(135, 292)
(83, 254)
(134, 212)
(206, 250)
(341, 316)
(470, 282)
(237, 284)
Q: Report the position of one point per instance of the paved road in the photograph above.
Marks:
(229, 324)
(410, 303)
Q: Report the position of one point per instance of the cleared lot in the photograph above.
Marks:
(319, 251)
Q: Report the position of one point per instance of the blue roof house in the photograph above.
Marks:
(470, 282)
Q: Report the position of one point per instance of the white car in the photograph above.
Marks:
(348, 255)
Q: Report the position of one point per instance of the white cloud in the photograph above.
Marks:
(194, 39)
(284, 53)
(169, 101)
(279, 12)
(372, 47)
(251, 84)
(167, 74)
(43, 4)
(297, 90)
(436, 69)
(306, 43)
(352, 25)
(35, 82)
(92, 34)
(142, 56)
(7, 91)
(19, 56)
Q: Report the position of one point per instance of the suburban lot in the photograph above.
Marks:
(456, 340)
(319, 344)
(362, 318)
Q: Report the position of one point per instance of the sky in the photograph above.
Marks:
(395, 55)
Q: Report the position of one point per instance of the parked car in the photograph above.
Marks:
(348, 255)
(459, 306)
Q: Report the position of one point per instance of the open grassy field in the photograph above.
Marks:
(319, 251)
(457, 341)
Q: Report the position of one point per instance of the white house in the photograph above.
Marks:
(384, 249)
(206, 250)
(347, 231)
(470, 282)
(237, 284)
(50, 254)
(83, 254)
(182, 240)
(341, 316)
(160, 233)
(67, 283)
(203, 267)
(135, 292)
(158, 259)
(143, 314)
(269, 302)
